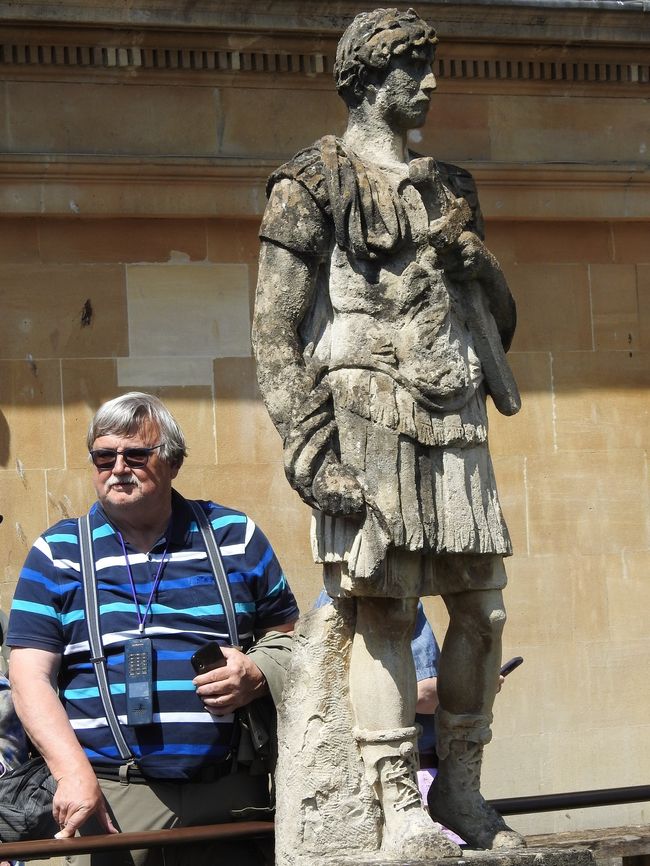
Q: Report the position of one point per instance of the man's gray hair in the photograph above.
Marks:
(369, 43)
(125, 416)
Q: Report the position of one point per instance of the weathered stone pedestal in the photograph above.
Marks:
(326, 812)
(521, 857)
(324, 805)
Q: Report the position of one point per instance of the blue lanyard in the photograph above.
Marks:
(156, 581)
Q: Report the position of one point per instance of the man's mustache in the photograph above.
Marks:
(121, 480)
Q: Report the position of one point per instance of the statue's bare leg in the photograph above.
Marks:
(468, 675)
(383, 691)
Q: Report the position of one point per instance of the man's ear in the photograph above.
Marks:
(175, 468)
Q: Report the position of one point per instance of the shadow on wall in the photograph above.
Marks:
(5, 438)
(4, 445)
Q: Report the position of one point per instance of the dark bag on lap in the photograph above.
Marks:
(26, 796)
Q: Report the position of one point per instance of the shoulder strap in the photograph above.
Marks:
(329, 148)
(97, 656)
(218, 570)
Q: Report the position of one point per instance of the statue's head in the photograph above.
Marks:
(370, 43)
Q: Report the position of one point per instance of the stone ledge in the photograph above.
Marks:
(630, 841)
(101, 186)
(457, 20)
(573, 856)
(95, 53)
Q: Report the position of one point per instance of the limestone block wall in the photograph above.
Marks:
(132, 168)
(573, 470)
(96, 308)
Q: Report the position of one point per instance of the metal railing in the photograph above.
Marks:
(45, 848)
(150, 839)
(572, 800)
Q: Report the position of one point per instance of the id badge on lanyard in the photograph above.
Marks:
(139, 681)
(138, 654)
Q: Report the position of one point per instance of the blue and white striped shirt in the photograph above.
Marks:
(186, 612)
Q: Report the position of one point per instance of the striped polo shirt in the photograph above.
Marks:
(186, 612)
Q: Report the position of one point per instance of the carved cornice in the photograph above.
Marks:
(174, 187)
(483, 45)
(265, 61)
(130, 55)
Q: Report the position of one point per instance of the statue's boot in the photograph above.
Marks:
(454, 797)
(390, 762)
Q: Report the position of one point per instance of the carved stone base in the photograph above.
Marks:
(325, 807)
(522, 857)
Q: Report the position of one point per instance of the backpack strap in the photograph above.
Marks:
(216, 563)
(97, 656)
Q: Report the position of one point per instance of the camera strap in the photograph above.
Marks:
(97, 656)
(216, 563)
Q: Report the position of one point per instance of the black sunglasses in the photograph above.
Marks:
(135, 458)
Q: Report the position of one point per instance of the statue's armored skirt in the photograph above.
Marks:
(425, 498)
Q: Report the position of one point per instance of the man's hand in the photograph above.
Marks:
(336, 489)
(231, 686)
(77, 797)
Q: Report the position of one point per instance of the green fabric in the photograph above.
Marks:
(4, 650)
(272, 654)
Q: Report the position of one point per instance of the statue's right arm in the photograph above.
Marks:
(285, 288)
(299, 407)
(33, 676)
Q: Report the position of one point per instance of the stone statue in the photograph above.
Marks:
(381, 325)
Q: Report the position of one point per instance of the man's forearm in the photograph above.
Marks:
(33, 675)
(427, 696)
(272, 654)
(43, 717)
(49, 729)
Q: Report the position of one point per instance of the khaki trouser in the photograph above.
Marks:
(164, 805)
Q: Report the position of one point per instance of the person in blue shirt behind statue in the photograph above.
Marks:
(426, 653)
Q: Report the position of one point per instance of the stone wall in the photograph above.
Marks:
(132, 166)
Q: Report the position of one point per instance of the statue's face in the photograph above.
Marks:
(404, 95)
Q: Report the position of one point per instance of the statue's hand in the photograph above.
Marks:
(469, 259)
(337, 490)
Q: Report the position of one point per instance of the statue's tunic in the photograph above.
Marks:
(399, 391)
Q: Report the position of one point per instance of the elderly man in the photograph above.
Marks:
(155, 585)
(381, 325)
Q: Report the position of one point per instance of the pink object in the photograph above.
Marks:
(425, 777)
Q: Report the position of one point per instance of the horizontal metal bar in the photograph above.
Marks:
(246, 829)
(134, 841)
(571, 800)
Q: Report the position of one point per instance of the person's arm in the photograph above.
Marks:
(466, 258)
(261, 670)
(298, 407)
(247, 676)
(471, 260)
(426, 654)
(479, 263)
(272, 654)
(427, 696)
(285, 288)
(33, 675)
